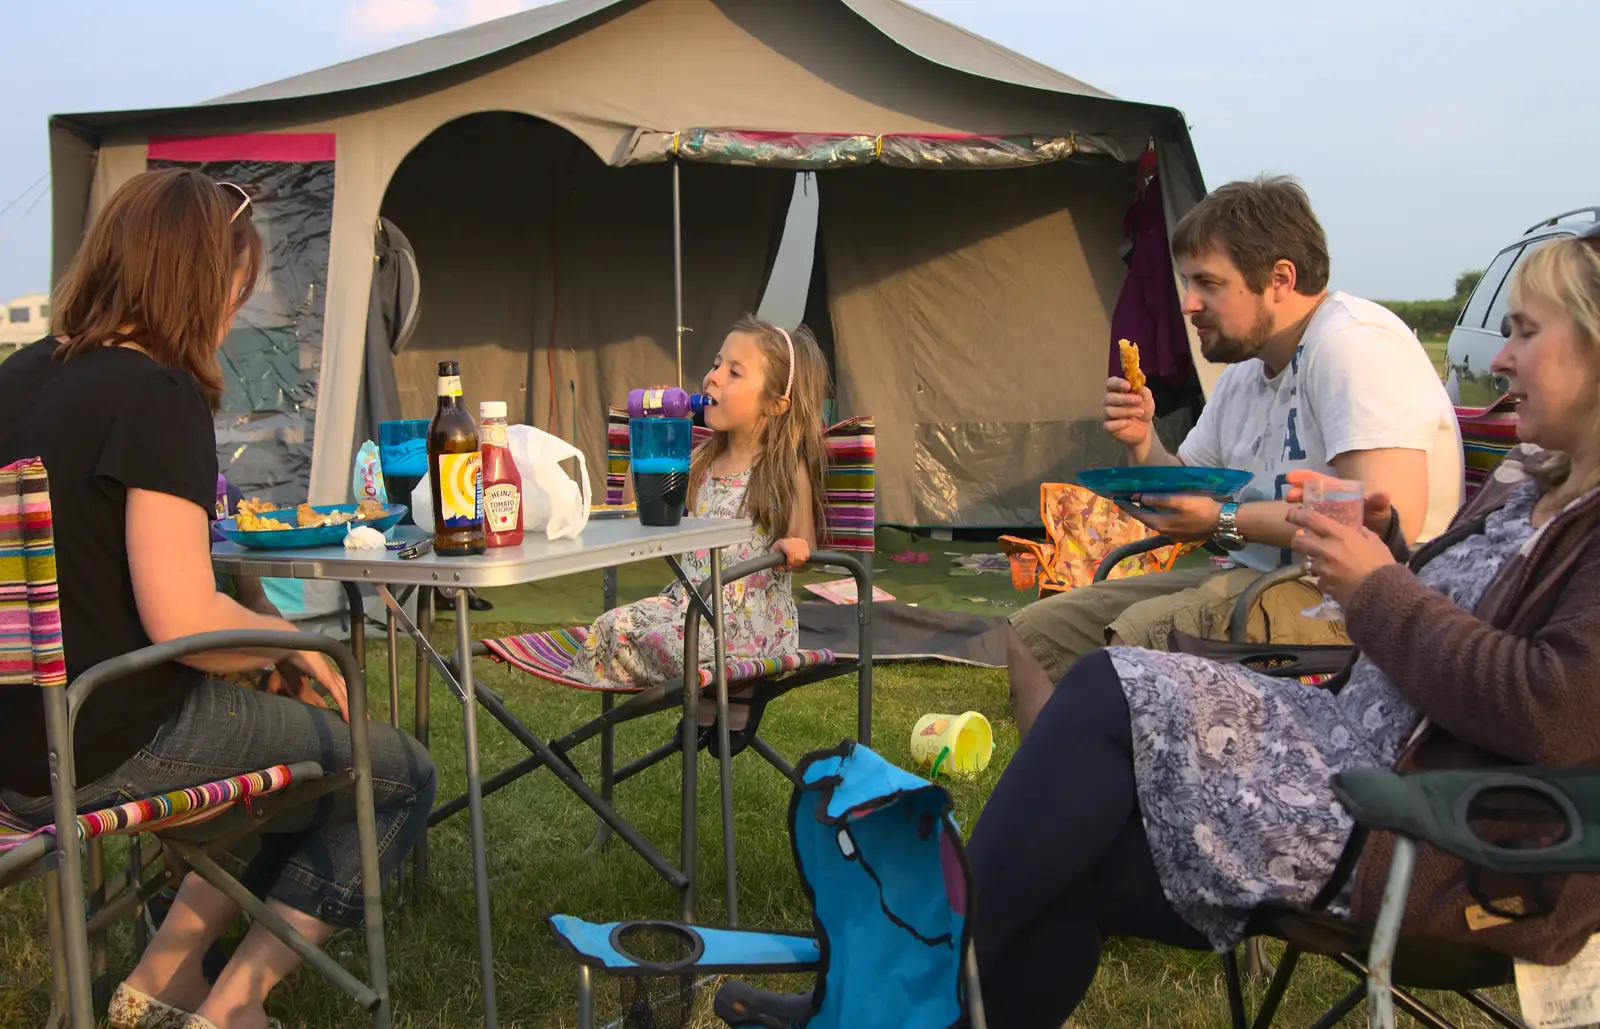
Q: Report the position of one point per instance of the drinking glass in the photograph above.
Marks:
(403, 455)
(1345, 501)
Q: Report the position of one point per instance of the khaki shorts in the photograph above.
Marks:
(1145, 610)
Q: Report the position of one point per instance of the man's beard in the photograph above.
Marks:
(1225, 349)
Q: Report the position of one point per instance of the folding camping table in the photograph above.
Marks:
(603, 544)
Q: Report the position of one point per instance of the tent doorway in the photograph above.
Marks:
(549, 274)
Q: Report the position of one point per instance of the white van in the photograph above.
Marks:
(1480, 330)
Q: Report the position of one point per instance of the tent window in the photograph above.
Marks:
(18, 315)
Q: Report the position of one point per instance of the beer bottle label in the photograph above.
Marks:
(502, 507)
(461, 490)
(449, 385)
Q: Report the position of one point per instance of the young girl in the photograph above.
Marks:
(765, 461)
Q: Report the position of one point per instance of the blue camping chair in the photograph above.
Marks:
(882, 861)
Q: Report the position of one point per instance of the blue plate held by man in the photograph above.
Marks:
(1124, 486)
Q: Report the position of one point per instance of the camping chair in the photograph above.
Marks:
(1487, 435)
(849, 508)
(881, 859)
(1082, 527)
(190, 824)
(1559, 808)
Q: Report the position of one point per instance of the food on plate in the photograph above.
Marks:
(308, 517)
(1130, 364)
(249, 517)
(255, 506)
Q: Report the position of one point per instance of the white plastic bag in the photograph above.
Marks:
(551, 501)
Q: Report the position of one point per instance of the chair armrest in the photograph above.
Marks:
(859, 571)
(1239, 623)
(146, 658)
(1126, 551)
(1433, 807)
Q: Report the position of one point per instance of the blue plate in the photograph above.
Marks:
(1125, 485)
(290, 537)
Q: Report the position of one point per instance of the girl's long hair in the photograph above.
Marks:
(791, 443)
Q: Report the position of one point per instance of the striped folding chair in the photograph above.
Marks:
(850, 505)
(190, 824)
(1487, 435)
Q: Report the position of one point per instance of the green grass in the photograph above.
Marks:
(538, 834)
(1436, 351)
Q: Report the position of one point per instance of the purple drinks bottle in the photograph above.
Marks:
(665, 402)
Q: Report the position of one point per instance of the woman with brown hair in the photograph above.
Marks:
(118, 402)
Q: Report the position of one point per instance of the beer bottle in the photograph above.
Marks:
(455, 471)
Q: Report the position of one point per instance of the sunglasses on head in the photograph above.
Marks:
(244, 200)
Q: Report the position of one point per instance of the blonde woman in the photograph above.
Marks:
(1165, 796)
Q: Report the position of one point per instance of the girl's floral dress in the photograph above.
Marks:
(642, 643)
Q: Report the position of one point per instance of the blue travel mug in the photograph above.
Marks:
(659, 456)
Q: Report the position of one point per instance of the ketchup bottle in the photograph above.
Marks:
(502, 483)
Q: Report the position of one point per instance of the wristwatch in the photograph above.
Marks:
(1227, 535)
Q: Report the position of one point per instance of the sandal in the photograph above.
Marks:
(131, 1009)
(196, 1022)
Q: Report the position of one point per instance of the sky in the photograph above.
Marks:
(1429, 133)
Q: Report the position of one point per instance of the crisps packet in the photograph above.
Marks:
(366, 482)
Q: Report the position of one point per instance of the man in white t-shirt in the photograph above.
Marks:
(1317, 380)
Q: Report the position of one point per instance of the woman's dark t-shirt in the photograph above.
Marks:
(105, 421)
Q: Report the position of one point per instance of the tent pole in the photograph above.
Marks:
(677, 262)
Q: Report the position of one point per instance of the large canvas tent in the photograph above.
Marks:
(596, 187)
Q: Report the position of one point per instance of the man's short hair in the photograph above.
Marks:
(1258, 224)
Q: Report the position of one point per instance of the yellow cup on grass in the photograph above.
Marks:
(953, 744)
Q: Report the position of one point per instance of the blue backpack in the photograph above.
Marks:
(881, 860)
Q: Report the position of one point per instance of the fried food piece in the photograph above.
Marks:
(1130, 364)
(308, 517)
(249, 521)
(369, 509)
(255, 506)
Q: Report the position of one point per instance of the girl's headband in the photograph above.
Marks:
(790, 343)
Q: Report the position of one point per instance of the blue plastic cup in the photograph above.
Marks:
(658, 453)
(403, 453)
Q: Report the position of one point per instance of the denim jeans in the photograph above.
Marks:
(306, 858)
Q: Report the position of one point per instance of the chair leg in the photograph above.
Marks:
(99, 947)
(59, 996)
(1277, 987)
(1408, 1003)
(1500, 1015)
(1231, 979)
(608, 745)
(775, 759)
(1255, 962)
(335, 973)
(585, 996)
(141, 934)
(1346, 1004)
(1403, 999)
(74, 918)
